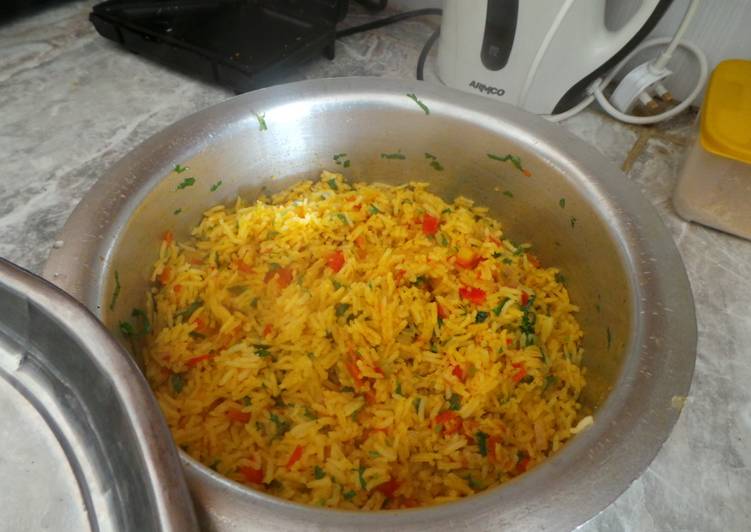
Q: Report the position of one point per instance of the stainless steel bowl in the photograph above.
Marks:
(620, 263)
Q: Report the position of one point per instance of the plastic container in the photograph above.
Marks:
(714, 187)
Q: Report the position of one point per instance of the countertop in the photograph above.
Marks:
(73, 103)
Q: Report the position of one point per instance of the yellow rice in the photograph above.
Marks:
(260, 351)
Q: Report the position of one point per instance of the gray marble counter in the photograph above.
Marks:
(72, 103)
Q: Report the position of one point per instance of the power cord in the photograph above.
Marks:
(387, 21)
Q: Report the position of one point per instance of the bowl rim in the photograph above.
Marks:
(658, 366)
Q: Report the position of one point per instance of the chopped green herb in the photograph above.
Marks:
(141, 316)
(349, 495)
(356, 413)
(254, 302)
(347, 389)
(527, 379)
(443, 240)
(573, 222)
(361, 478)
(374, 454)
(332, 184)
(337, 284)
(372, 209)
(116, 291)
(179, 169)
(482, 442)
(430, 156)
(177, 211)
(507, 260)
(549, 381)
(190, 309)
(237, 289)
(246, 401)
(562, 203)
(196, 335)
(398, 390)
(610, 338)
(309, 414)
(414, 98)
(473, 483)
(341, 308)
(497, 310)
(216, 186)
(438, 428)
(446, 211)
(398, 155)
(435, 165)
(261, 117)
(508, 193)
(126, 328)
(346, 164)
(339, 156)
(187, 182)
(215, 464)
(177, 382)
(559, 278)
(455, 402)
(282, 425)
(318, 473)
(513, 159)
(262, 350)
(481, 316)
(416, 403)
(342, 218)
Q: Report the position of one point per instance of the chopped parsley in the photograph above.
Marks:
(177, 211)
(343, 218)
(261, 117)
(262, 350)
(177, 382)
(361, 478)
(435, 165)
(179, 169)
(455, 402)
(337, 284)
(341, 309)
(508, 193)
(610, 338)
(573, 222)
(339, 159)
(349, 495)
(190, 309)
(507, 260)
(562, 203)
(430, 156)
(373, 209)
(497, 310)
(216, 186)
(559, 278)
(415, 99)
(126, 328)
(187, 182)
(115, 291)
(282, 425)
(527, 379)
(416, 403)
(246, 401)
(481, 316)
(443, 240)
(549, 381)
(513, 159)
(374, 454)
(318, 473)
(398, 390)
(237, 289)
(332, 184)
(482, 442)
(398, 155)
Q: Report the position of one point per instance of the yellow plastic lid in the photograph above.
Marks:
(726, 115)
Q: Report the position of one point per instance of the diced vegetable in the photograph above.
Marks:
(245, 268)
(251, 474)
(519, 375)
(455, 402)
(481, 316)
(177, 382)
(458, 372)
(192, 362)
(168, 237)
(165, 275)
(237, 416)
(341, 309)
(473, 295)
(389, 488)
(335, 261)
(524, 298)
(451, 423)
(294, 457)
(442, 313)
(361, 478)
(318, 473)
(482, 442)
(268, 329)
(430, 224)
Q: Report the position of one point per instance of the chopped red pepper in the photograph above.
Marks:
(252, 474)
(354, 371)
(492, 440)
(442, 313)
(526, 173)
(378, 370)
(519, 375)
(335, 261)
(294, 457)
(494, 240)
(168, 237)
(360, 242)
(398, 274)
(534, 261)
(458, 372)
(165, 275)
(430, 224)
(177, 288)
(473, 295)
(450, 420)
(389, 488)
(243, 267)
(521, 467)
(467, 258)
(370, 397)
(525, 298)
(196, 360)
(238, 416)
(283, 277)
(268, 329)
